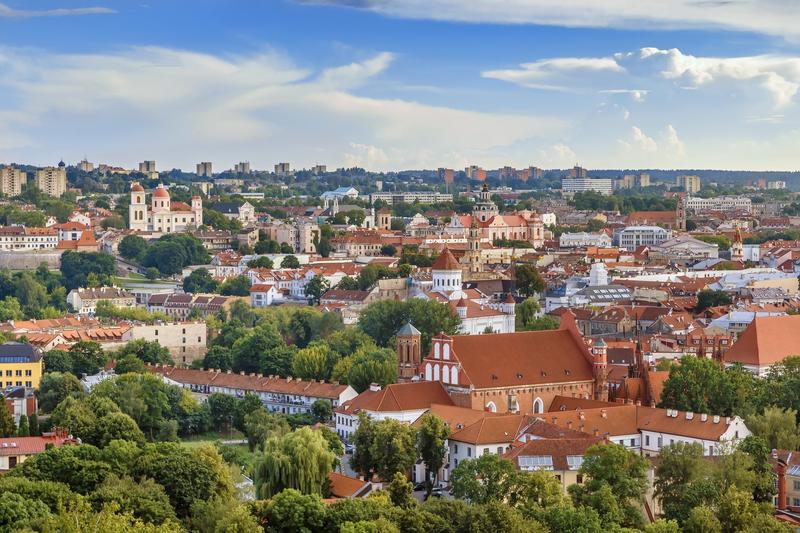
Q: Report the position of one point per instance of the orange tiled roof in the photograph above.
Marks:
(399, 397)
(767, 340)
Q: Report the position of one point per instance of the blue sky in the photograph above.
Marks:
(393, 84)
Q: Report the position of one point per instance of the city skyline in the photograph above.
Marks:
(401, 85)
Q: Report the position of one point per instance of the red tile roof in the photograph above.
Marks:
(767, 340)
(399, 397)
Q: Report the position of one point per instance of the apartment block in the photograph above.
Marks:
(690, 184)
(52, 181)
(11, 181)
(204, 169)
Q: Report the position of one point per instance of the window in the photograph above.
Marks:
(18, 373)
(28, 384)
(184, 331)
(579, 478)
(499, 450)
(28, 373)
(633, 443)
(660, 441)
(647, 440)
(796, 485)
(574, 462)
(8, 373)
(535, 462)
(455, 450)
(469, 450)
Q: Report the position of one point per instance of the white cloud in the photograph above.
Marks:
(558, 155)
(671, 143)
(638, 144)
(557, 74)
(179, 107)
(774, 17)
(777, 75)
(9, 12)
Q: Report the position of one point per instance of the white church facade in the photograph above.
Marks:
(163, 215)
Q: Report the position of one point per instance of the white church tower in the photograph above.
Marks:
(137, 214)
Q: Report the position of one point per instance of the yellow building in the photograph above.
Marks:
(20, 365)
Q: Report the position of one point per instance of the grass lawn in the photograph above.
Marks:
(211, 437)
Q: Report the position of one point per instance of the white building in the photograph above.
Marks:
(84, 301)
(583, 239)
(22, 238)
(264, 295)
(423, 197)
(569, 186)
(632, 237)
(163, 215)
(404, 402)
(719, 203)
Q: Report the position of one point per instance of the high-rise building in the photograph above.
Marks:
(690, 184)
(147, 167)
(470, 171)
(536, 173)
(642, 180)
(569, 186)
(577, 172)
(319, 169)
(243, 167)
(52, 180)
(85, 166)
(283, 169)
(11, 181)
(204, 169)
(447, 175)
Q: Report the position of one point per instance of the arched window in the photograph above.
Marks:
(454, 375)
(436, 348)
(428, 373)
(446, 352)
(491, 407)
(445, 375)
(435, 372)
(538, 405)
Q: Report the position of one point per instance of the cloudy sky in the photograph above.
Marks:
(397, 84)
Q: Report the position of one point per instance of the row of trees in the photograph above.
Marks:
(304, 342)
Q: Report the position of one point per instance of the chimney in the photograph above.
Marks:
(569, 424)
(554, 419)
(603, 413)
(374, 387)
(241, 372)
(689, 415)
(703, 417)
(728, 420)
(715, 419)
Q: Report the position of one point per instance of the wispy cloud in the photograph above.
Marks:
(9, 12)
(773, 17)
(260, 107)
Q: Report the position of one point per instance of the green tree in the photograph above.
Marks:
(260, 425)
(485, 479)
(388, 250)
(431, 446)
(261, 262)
(315, 288)
(369, 366)
(710, 298)
(299, 460)
(34, 425)
(322, 410)
(528, 319)
(147, 351)
(250, 350)
(115, 426)
(381, 320)
(132, 247)
(222, 514)
(218, 357)
(87, 358)
(777, 426)
(529, 280)
(18, 513)
(292, 511)
(54, 387)
(313, 362)
(616, 472)
(7, 426)
(392, 448)
(200, 280)
(222, 408)
(129, 364)
(702, 519)
(236, 286)
(10, 309)
(144, 499)
(57, 361)
(24, 429)
(400, 490)
(76, 267)
(151, 273)
(250, 403)
(698, 384)
(290, 261)
(683, 480)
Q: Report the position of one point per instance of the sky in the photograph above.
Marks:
(402, 84)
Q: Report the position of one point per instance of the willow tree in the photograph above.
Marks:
(300, 460)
